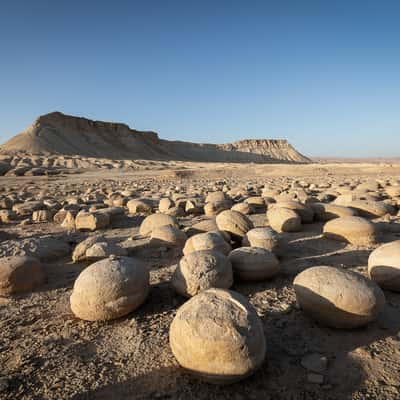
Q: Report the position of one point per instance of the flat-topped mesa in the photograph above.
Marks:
(276, 148)
(58, 119)
(57, 133)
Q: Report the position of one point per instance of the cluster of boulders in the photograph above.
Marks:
(25, 164)
(216, 334)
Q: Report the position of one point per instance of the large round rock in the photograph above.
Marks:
(207, 241)
(384, 266)
(338, 298)
(234, 222)
(253, 263)
(354, 230)
(202, 270)
(284, 220)
(154, 221)
(265, 237)
(19, 274)
(218, 336)
(110, 288)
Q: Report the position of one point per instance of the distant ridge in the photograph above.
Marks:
(57, 133)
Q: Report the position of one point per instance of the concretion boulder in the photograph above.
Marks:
(165, 204)
(169, 236)
(110, 288)
(243, 208)
(256, 203)
(136, 206)
(216, 196)
(155, 221)
(354, 230)
(235, 223)
(284, 220)
(265, 238)
(254, 263)
(20, 274)
(105, 249)
(207, 241)
(213, 208)
(327, 211)
(79, 253)
(338, 298)
(305, 212)
(218, 336)
(202, 270)
(371, 209)
(384, 266)
(91, 221)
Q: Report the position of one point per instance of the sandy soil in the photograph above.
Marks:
(47, 353)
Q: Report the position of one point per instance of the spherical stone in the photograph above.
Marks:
(306, 213)
(20, 274)
(215, 196)
(165, 204)
(110, 288)
(384, 266)
(234, 222)
(218, 336)
(207, 241)
(91, 221)
(201, 270)
(101, 250)
(169, 236)
(256, 203)
(354, 230)
(265, 238)
(155, 221)
(243, 208)
(79, 253)
(284, 220)
(215, 207)
(139, 206)
(253, 263)
(338, 298)
(328, 211)
(204, 226)
(371, 209)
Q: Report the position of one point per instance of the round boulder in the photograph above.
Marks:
(167, 235)
(354, 230)
(155, 221)
(218, 336)
(202, 270)
(284, 219)
(234, 222)
(327, 211)
(384, 266)
(265, 238)
(19, 274)
(243, 208)
(207, 241)
(253, 263)
(338, 298)
(110, 288)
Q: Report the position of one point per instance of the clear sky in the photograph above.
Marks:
(323, 74)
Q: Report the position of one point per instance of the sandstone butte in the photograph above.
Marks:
(57, 133)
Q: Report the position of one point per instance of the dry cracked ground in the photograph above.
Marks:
(48, 353)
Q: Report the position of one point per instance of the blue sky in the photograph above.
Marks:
(323, 74)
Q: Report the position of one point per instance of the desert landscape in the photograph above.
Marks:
(134, 267)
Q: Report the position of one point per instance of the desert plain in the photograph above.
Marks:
(49, 353)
